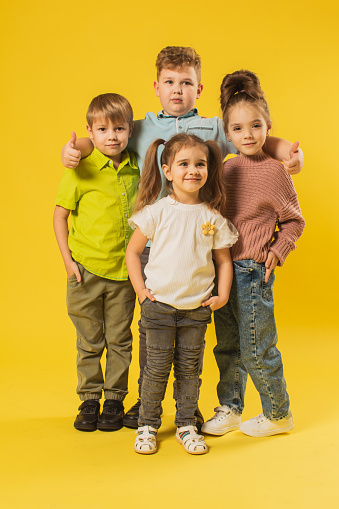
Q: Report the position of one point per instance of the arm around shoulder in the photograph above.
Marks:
(74, 150)
(283, 150)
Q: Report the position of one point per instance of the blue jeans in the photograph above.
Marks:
(246, 343)
(173, 336)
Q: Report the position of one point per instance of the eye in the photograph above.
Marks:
(169, 82)
(184, 163)
(102, 129)
(187, 83)
(119, 129)
(236, 128)
(256, 125)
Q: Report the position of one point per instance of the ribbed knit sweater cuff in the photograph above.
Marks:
(281, 249)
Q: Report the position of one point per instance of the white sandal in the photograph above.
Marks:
(191, 441)
(146, 440)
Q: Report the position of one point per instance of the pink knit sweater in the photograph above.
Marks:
(261, 195)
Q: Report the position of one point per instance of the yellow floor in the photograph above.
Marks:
(46, 463)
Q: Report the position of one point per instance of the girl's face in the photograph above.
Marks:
(188, 173)
(247, 129)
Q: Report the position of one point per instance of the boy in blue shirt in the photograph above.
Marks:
(178, 86)
(100, 197)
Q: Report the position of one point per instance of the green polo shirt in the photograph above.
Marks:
(101, 199)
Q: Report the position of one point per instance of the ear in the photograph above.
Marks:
(156, 88)
(89, 130)
(167, 172)
(199, 90)
(269, 127)
(228, 136)
(130, 131)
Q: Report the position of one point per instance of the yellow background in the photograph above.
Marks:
(56, 56)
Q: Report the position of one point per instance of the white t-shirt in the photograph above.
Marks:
(180, 270)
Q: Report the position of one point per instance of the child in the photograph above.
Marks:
(178, 86)
(260, 195)
(100, 298)
(176, 303)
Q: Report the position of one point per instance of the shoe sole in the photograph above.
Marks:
(146, 452)
(109, 428)
(219, 432)
(85, 428)
(280, 431)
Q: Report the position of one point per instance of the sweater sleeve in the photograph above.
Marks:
(290, 226)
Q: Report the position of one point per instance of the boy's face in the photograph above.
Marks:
(178, 90)
(110, 138)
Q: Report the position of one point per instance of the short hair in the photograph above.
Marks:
(112, 106)
(176, 57)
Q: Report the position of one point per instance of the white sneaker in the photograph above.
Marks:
(223, 421)
(260, 426)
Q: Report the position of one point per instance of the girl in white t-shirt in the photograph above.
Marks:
(185, 229)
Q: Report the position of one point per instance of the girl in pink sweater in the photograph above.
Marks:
(260, 196)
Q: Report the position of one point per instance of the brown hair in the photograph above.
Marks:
(177, 57)
(213, 192)
(112, 106)
(242, 86)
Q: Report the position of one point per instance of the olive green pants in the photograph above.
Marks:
(102, 311)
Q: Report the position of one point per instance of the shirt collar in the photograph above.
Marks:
(191, 113)
(100, 160)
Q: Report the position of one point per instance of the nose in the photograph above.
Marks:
(193, 170)
(112, 135)
(178, 89)
(247, 133)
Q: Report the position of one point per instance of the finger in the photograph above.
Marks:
(149, 295)
(267, 275)
(294, 148)
(73, 139)
(207, 302)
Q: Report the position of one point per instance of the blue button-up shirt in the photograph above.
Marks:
(163, 126)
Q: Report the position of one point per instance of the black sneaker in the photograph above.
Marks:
(132, 416)
(111, 416)
(87, 419)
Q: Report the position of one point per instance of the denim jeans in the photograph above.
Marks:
(142, 336)
(173, 336)
(246, 342)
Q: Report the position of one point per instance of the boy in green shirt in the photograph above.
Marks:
(100, 197)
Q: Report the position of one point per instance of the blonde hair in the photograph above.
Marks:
(213, 192)
(178, 57)
(112, 106)
(242, 86)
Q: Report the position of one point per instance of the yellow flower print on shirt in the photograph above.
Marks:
(208, 228)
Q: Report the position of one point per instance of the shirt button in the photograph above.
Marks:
(123, 194)
(126, 236)
(126, 215)
(180, 126)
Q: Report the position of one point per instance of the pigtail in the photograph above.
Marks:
(214, 192)
(150, 182)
